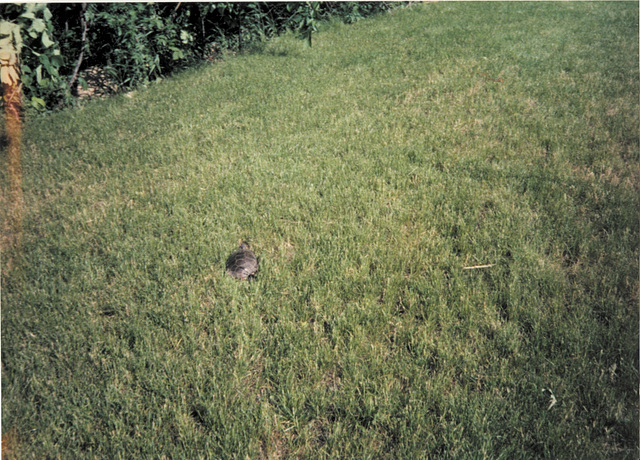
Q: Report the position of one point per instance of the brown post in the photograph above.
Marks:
(12, 199)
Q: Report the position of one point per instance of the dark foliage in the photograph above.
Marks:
(135, 43)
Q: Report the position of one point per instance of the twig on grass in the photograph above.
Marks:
(474, 267)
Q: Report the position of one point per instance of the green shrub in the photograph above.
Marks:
(42, 60)
(135, 43)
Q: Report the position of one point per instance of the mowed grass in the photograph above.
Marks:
(368, 173)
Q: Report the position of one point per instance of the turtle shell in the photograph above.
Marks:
(242, 263)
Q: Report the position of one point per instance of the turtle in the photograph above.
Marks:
(242, 263)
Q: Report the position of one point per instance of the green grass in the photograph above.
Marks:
(366, 172)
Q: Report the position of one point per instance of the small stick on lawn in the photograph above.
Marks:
(478, 266)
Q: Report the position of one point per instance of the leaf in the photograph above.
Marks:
(33, 8)
(46, 41)
(38, 25)
(44, 60)
(39, 74)
(38, 103)
(57, 60)
(185, 37)
(177, 53)
(47, 14)
(52, 71)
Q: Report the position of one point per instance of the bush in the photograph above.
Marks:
(42, 81)
(149, 39)
(135, 43)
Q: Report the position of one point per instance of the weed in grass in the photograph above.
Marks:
(367, 172)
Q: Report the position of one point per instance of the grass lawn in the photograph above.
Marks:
(368, 172)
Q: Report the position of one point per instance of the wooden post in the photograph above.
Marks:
(10, 44)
